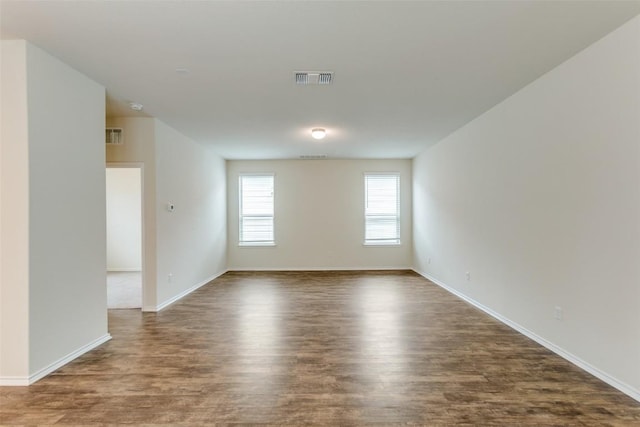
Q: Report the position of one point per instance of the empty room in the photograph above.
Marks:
(320, 212)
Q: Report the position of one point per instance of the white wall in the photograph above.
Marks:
(191, 240)
(190, 243)
(66, 208)
(319, 216)
(139, 148)
(124, 219)
(65, 183)
(14, 218)
(539, 199)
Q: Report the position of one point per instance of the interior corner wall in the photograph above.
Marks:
(539, 200)
(191, 240)
(67, 249)
(139, 147)
(319, 216)
(53, 285)
(14, 215)
(189, 243)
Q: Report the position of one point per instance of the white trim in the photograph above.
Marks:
(603, 376)
(25, 381)
(373, 244)
(381, 173)
(124, 270)
(183, 293)
(248, 243)
(147, 287)
(323, 269)
(378, 242)
(14, 381)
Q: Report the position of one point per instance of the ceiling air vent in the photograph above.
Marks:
(314, 77)
(113, 136)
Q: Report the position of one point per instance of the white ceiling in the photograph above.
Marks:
(406, 73)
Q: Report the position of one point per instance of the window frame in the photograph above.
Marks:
(256, 243)
(397, 241)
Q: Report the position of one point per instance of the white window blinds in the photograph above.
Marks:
(256, 210)
(382, 209)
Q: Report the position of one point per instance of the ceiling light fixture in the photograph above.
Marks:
(135, 106)
(318, 133)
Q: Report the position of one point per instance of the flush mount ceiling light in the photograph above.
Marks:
(135, 106)
(318, 133)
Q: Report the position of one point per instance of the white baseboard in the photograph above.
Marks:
(120, 270)
(620, 385)
(13, 381)
(184, 293)
(149, 308)
(324, 269)
(25, 381)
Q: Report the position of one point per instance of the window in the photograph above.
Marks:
(256, 210)
(382, 209)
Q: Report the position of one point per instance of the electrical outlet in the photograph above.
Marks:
(429, 260)
(558, 313)
(468, 275)
(170, 278)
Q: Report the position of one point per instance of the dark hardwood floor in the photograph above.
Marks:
(327, 348)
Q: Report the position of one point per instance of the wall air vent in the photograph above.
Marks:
(314, 77)
(114, 136)
(314, 157)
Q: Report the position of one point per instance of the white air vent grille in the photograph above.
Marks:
(314, 77)
(314, 157)
(302, 78)
(113, 136)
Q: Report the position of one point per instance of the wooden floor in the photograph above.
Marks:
(327, 348)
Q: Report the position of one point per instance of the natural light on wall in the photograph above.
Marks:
(382, 209)
(256, 210)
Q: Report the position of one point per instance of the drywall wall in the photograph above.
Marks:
(53, 198)
(539, 200)
(138, 149)
(14, 217)
(66, 209)
(191, 240)
(319, 216)
(190, 243)
(124, 219)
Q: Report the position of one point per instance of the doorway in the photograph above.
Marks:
(124, 236)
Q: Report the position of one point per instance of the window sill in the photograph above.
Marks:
(382, 244)
(257, 245)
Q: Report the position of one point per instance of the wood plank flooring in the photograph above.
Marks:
(325, 348)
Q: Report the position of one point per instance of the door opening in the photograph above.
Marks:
(125, 272)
